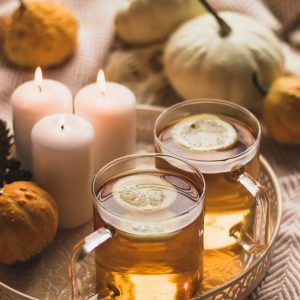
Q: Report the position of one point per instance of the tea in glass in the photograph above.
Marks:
(216, 137)
(155, 215)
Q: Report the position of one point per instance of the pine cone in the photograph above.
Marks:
(6, 140)
(10, 168)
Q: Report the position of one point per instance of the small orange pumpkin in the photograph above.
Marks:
(28, 221)
(281, 110)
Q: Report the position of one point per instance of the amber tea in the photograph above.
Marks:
(216, 142)
(156, 218)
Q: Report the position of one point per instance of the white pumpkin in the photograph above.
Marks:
(200, 63)
(148, 21)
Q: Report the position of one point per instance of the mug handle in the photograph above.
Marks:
(259, 240)
(79, 252)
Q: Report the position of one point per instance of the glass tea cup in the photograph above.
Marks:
(149, 214)
(221, 140)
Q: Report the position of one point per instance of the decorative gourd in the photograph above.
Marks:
(40, 33)
(28, 221)
(205, 58)
(281, 110)
(148, 21)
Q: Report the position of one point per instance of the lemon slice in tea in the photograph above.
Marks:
(144, 193)
(205, 132)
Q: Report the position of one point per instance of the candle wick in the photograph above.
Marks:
(40, 88)
(62, 127)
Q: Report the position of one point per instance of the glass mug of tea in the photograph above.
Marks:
(221, 140)
(149, 214)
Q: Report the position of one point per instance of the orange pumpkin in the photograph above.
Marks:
(28, 221)
(281, 110)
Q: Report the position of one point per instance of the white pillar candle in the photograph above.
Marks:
(62, 152)
(32, 101)
(111, 109)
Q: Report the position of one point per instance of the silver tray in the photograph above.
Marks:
(228, 274)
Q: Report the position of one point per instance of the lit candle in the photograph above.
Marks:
(32, 101)
(62, 152)
(111, 109)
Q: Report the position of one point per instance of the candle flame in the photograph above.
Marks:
(185, 286)
(101, 82)
(38, 78)
(62, 122)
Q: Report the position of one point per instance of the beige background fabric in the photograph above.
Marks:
(96, 35)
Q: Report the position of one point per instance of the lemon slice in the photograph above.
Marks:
(151, 232)
(144, 193)
(205, 132)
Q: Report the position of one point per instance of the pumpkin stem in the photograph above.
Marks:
(263, 90)
(225, 29)
(22, 4)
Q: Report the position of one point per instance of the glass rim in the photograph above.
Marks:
(149, 155)
(208, 101)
